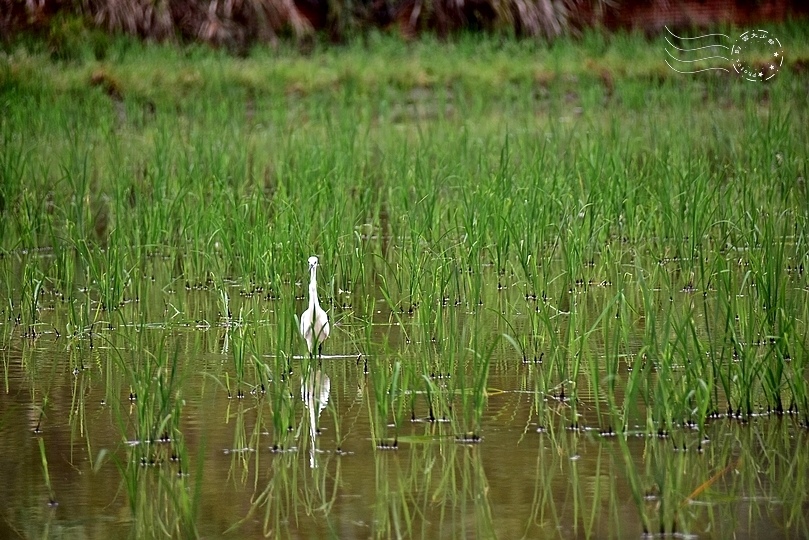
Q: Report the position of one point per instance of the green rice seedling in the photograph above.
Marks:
(225, 314)
(452, 367)
(78, 421)
(569, 367)
(4, 351)
(613, 338)
(536, 383)
(155, 470)
(717, 315)
(768, 267)
(678, 356)
(480, 377)
(474, 241)
(280, 389)
(46, 474)
(413, 268)
(637, 389)
(469, 374)
(390, 386)
(797, 383)
(261, 371)
(497, 223)
(519, 347)
(155, 395)
(240, 448)
(439, 402)
(668, 474)
(161, 502)
(14, 164)
(396, 309)
(185, 497)
(116, 278)
(8, 291)
(696, 399)
(30, 293)
(728, 317)
(239, 345)
(747, 371)
(282, 406)
(76, 174)
(553, 319)
(660, 417)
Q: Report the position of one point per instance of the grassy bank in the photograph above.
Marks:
(374, 66)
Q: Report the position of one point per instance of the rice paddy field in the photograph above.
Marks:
(567, 290)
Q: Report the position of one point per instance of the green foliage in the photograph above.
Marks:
(642, 248)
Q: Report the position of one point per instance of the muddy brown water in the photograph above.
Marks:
(531, 476)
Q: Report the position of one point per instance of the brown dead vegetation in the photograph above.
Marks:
(240, 23)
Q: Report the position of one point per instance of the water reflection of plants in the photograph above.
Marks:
(687, 485)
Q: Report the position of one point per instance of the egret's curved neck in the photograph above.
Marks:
(313, 287)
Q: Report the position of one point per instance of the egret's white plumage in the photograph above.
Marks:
(314, 321)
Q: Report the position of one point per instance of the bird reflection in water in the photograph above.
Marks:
(315, 388)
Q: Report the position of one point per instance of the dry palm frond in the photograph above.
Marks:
(548, 18)
(243, 22)
(145, 18)
(239, 22)
(16, 15)
(219, 22)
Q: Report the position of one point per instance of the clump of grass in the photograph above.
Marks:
(31, 291)
(473, 400)
(391, 387)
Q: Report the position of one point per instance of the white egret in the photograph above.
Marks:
(314, 321)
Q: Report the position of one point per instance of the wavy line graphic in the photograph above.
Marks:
(698, 37)
(695, 50)
(695, 71)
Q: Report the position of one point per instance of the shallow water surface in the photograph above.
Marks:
(153, 429)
